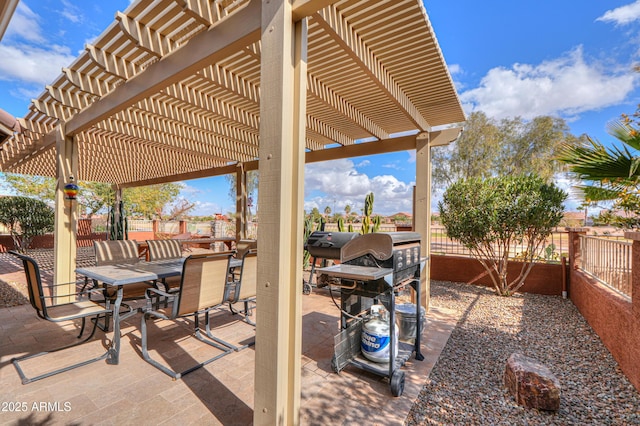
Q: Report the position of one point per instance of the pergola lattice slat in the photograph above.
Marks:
(181, 79)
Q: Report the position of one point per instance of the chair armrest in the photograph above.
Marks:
(149, 308)
(79, 295)
(148, 295)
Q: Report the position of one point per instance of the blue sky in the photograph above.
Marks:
(568, 58)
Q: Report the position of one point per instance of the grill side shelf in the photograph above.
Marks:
(356, 272)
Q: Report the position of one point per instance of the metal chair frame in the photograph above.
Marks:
(162, 250)
(204, 277)
(69, 310)
(245, 292)
(111, 252)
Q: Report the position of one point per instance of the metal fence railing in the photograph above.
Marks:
(608, 260)
(140, 225)
(554, 248)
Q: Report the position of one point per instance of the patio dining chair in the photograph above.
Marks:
(57, 303)
(112, 252)
(164, 250)
(204, 277)
(245, 293)
(242, 247)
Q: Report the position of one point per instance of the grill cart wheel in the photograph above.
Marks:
(397, 383)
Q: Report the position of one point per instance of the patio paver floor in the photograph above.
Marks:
(219, 393)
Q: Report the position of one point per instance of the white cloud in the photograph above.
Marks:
(565, 86)
(25, 24)
(341, 184)
(30, 64)
(455, 69)
(206, 208)
(71, 12)
(28, 57)
(339, 178)
(622, 15)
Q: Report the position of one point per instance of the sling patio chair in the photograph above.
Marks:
(166, 250)
(204, 277)
(245, 293)
(242, 247)
(57, 303)
(113, 252)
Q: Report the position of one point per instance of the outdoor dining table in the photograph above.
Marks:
(120, 275)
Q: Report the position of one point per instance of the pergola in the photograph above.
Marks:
(182, 89)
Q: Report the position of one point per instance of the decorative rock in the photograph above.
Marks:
(531, 383)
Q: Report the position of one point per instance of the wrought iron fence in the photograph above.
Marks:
(554, 248)
(140, 225)
(608, 260)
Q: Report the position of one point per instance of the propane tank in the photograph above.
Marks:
(375, 340)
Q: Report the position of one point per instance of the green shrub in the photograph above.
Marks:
(490, 216)
(25, 218)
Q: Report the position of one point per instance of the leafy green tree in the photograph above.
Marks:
(490, 216)
(530, 147)
(150, 201)
(42, 188)
(610, 174)
(469, 156)
(95, 196)
(92, 198)
(327, 212)
(488, 148)
(25, 218)
(316, 215)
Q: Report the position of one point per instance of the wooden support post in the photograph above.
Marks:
(279, 293)
(66, 213)
(422, 211)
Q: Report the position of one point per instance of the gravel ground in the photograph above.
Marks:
(466, 385)
(14, 293)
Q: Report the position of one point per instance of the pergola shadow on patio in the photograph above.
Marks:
(220, 393)
(182, 89)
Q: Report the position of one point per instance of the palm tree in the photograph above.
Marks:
(609, 174)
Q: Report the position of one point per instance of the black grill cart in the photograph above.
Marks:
(373, 269)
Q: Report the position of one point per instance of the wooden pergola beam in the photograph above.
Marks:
(219, 42)
(343, 33)
(402, 143)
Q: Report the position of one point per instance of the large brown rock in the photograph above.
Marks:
(531, 383)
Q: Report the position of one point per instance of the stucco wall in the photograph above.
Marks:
(543, 278)
(611, 316)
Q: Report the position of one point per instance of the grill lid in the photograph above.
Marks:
(378, 245)
(326, 244)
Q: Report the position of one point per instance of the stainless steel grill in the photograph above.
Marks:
(372, 269)
(398, 251)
